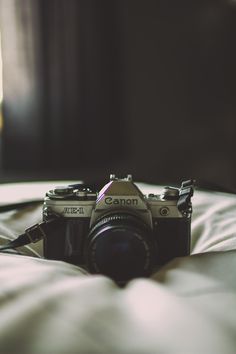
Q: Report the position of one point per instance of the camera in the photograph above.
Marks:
(118, 231)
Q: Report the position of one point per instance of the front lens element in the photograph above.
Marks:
(120, 247)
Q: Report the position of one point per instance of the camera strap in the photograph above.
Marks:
(185, 194)
(33, 234)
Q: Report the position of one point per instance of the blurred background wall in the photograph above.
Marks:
(92, 87)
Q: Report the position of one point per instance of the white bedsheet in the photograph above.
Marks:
(189, 306)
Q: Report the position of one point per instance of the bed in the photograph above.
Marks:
(188, 306)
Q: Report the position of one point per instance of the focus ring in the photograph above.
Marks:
(117, 217)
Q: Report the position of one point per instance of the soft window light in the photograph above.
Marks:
(1, 90)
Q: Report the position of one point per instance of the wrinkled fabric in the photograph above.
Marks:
(188, 306)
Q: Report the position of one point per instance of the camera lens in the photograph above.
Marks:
(121, 247)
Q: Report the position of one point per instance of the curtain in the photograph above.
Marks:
(140, 87)
(62, 84)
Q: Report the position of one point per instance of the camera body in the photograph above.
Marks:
(118, 231)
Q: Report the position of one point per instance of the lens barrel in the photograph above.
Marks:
(120, 246)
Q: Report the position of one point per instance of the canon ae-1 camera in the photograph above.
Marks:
(118, 232)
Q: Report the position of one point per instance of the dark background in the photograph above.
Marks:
(97, 86)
